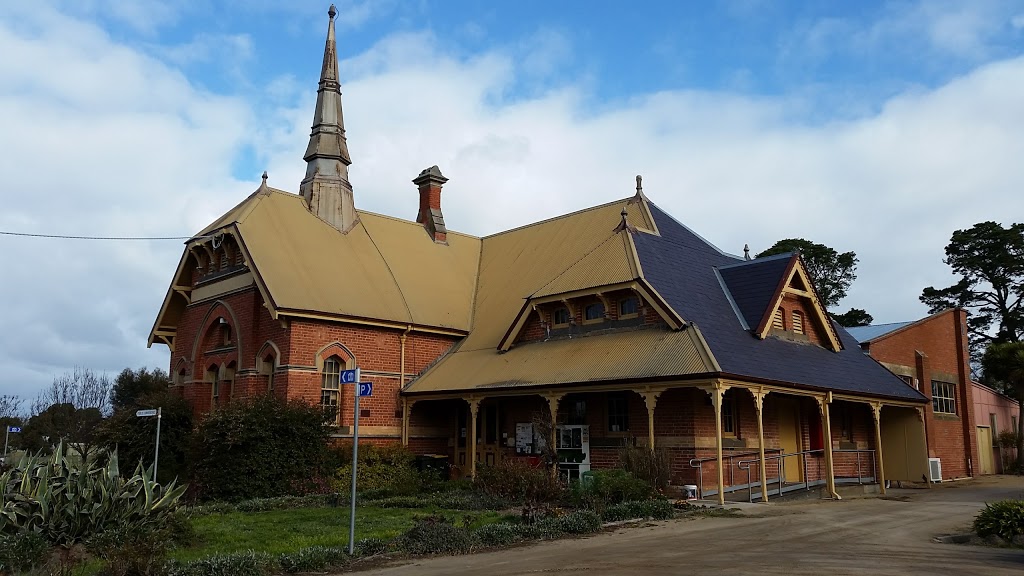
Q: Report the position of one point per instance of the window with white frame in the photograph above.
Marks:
(330, 389)
(943, 397)
(560, 317)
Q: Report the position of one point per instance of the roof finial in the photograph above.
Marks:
(639, 185)
(264, 176)
(624, 224)
(746, 252)
(332, 11)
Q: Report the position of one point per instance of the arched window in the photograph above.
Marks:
(560, 317)
(269, 365)
(179, 378)
(593, 313)
(213, 377)
(798, 322)
(629, 307)
(330, 389)
(225, 334)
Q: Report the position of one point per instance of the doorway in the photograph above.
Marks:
(488, 436)
(985, 450)
(788, 415)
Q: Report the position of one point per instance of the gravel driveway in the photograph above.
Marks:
(891, 535)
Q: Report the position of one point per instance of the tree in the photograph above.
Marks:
(854, 317)
(10, 406)
(830, 272)
(134, 437)
(990, 261)
(69, 410)
(1003, 363)
(131, 385)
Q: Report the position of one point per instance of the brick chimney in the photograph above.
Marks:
(430, 181)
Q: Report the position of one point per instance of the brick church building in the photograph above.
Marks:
(617, 323)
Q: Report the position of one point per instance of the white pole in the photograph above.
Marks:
(156, 453)
(6, 438)
(355, 463)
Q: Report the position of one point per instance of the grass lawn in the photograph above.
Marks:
(279, 531)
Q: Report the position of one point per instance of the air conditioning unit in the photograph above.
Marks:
(935, 469)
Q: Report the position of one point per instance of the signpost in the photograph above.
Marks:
(16, 430)
(156, 453)
(362, 389)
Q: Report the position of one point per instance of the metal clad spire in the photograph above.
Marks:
(326, 188)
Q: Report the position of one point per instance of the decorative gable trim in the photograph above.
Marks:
(640, 286)
(796, 269)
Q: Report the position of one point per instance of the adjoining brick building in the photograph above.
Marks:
(614, 325)
(931, 355)
(993, 413)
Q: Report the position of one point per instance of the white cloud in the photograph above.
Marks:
(109, 140)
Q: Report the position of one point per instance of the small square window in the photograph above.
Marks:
(629, 307)
(561, 317)
(943, 397)
(593, 313)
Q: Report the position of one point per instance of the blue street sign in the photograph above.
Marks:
(349, 376)
(18, 428)
(366, 388)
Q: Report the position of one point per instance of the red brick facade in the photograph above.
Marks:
(935, 350)
(292, 353)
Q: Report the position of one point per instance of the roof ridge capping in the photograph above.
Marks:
(761, 260)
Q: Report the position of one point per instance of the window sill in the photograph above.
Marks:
(946, 416)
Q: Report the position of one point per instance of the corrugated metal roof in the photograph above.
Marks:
(609, 263)
(867, 333)
(606, 356)
(516, 264)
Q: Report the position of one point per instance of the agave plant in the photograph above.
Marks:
(68, 499)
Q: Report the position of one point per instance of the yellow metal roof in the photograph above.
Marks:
(515, 265)
(608, 356)
(611, 262)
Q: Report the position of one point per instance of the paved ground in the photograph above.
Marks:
(891, 536)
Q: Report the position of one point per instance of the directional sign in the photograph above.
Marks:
(366, 388)
(142, 413)
(349, 376)
(14, 429)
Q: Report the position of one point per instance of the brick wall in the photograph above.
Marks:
(942, 341)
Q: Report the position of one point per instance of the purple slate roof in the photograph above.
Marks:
(682, 268)
(752, 284)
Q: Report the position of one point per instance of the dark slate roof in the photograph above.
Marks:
(681, 267)
(752, 284)
(869, 333)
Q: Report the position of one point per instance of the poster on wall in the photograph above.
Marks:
(524, 438)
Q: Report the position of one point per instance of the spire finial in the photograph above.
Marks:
(264, 176)
(639, 184)
(746, 252)
(332, 11)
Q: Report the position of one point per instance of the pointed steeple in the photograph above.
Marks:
(326, 188)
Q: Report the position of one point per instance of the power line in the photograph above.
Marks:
(66, 237)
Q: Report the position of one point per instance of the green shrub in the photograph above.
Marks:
(579, 522)
(657, 509)
(314, 558)
(22, 552)
(258, 448)
(499, 534)
(458, 500)
(653, 467)
(1004, 519)
(383, 471)
(513, 480)
(435, 535)
(370, 547)
(72, 501)
(402, 502)
(607, 487)
(239, 564)
(131, 551)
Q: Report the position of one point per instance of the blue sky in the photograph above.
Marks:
(878, 127)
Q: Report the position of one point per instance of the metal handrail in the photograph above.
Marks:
(745, 465)
(699, 462)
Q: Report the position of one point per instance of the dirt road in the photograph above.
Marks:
(891, 536)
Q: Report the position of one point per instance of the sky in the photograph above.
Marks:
(876, 127)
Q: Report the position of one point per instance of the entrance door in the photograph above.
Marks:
(985, 450)
(488, 437)
(788, 410)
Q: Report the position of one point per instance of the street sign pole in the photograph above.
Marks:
(355, 464)
(6, 438)
(156, 453)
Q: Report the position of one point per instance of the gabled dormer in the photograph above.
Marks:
(774, 297)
